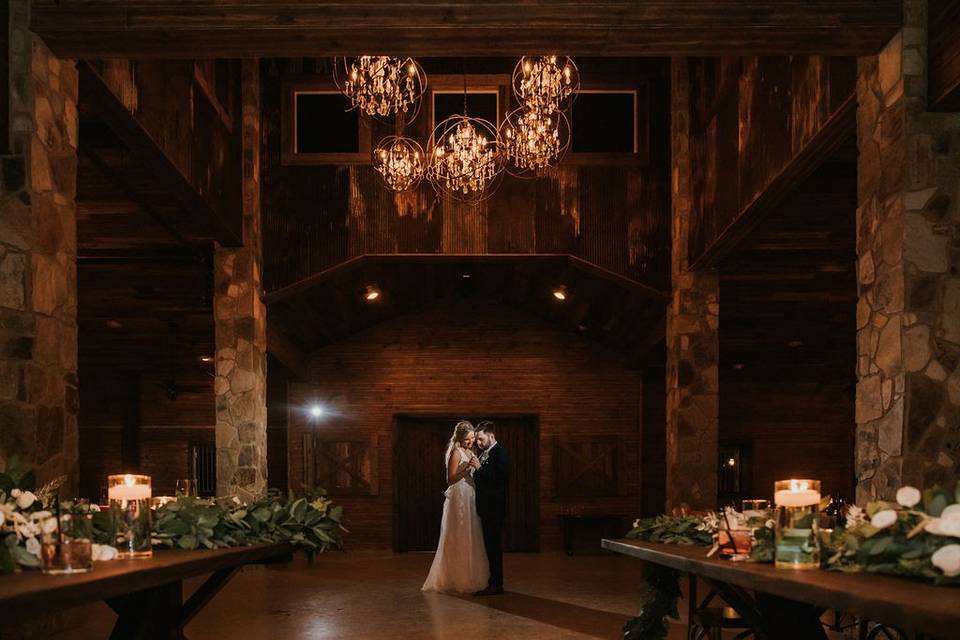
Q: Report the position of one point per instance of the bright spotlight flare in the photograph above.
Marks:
(316, 411)
(382, 86)
(544, 84)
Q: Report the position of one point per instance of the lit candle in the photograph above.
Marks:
(131, 487)
(799, 494)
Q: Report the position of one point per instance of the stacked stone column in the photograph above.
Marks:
(908, 244)
(241, 328)
(691, 334)
(38, 284)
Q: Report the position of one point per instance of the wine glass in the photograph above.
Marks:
(186, 488)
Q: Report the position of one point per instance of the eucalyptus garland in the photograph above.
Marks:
(686, 529)
(309, 523)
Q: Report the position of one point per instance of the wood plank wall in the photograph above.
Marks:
(750, 118)
(196, 126)
(315, 217)
(944, 53)
(471, 357)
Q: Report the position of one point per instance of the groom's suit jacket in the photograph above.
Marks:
(492, 480)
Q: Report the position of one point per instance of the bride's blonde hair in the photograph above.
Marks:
(460, 431)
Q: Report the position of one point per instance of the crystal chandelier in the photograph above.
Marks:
(381, 86)
(400, 161)
(544, 83)
(465, 157)
(534, 140)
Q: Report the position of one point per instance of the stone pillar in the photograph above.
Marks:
(691, 336)
(38, 247)
(241, 328)
(908, 236)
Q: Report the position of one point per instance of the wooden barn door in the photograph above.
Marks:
(420, 480)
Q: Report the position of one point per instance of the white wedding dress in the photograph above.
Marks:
(460, 565)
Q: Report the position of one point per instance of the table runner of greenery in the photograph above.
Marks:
(309, 523)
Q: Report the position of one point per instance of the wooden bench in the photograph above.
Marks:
(787, 605)
(146, 594)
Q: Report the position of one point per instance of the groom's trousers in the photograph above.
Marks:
(493, 541)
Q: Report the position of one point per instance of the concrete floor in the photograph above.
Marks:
(377, 595)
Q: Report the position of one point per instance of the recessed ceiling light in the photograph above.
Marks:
(466, 276)
(371, 293)
(114, 324)
(206, 359)
(560, 293)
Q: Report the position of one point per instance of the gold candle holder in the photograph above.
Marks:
(798, 507)
(129, 496)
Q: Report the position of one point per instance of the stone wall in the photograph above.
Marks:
(38, 286)
(908, 243)
(241, 327)
(691, 334)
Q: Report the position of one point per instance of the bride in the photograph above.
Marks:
(460, 565)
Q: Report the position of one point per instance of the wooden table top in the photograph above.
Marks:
(30, 592)
(907, 604)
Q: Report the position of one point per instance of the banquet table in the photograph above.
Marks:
(146, 594)
(787, 604)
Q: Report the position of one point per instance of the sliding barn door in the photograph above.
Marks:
(420, 480)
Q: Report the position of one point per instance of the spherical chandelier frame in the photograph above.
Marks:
(545, 83)
(516, 139)
(469, 175)
(389, 89)
(400, 161)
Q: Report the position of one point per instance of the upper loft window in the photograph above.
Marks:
(318, 128)
(322, 125)
(605, 121)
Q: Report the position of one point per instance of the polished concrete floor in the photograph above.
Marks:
(377, 595)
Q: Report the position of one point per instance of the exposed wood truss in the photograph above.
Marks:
(237, 28)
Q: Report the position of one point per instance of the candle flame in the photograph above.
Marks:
(799, 485)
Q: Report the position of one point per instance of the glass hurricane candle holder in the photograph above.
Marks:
(130, 504)
(66, 544)
(798, 507)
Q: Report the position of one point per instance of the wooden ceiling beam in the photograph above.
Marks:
(296, 28)
(99, 101)
(287, 353)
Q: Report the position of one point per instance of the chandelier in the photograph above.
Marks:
(534, 140)
(465, 157)
(543, 83)
(400, 161)
(381, 86)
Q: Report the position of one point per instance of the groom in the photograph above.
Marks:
(492, 478)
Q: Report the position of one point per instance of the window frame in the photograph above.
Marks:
(288, 127)
(641, 128)
(447, 84)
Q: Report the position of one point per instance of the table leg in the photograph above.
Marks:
(790, 620)
(151, 614)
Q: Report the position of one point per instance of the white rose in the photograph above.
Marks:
(908, 497)
(95, 508)
(33, 547)
(15, 493)
(49, 525)
(947, 559)
(883, 519)
(951, 511)
(944, 526)
(103, 552)
(25, 499)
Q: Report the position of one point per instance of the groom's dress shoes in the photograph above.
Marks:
(490, 591)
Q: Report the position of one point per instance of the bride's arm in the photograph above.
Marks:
(456, 472)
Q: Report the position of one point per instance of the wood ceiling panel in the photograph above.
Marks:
(236, 29)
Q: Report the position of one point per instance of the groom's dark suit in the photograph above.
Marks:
(493, 480)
